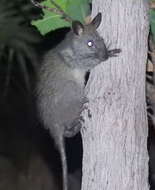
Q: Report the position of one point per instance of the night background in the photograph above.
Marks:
(28, 157)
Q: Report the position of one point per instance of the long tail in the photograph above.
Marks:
(64, 163)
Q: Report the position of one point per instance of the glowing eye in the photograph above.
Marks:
(90, 43)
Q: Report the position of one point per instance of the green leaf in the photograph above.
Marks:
(152, 22)
(77, 10)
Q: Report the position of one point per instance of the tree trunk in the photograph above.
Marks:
(115, 131)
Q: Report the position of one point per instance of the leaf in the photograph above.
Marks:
(152, 22)
(17, 39)
(77, 10)
(24, 70)
(8, 74)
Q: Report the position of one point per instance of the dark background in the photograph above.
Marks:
(23, 138)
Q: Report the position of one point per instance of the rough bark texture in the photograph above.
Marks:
(115, 136)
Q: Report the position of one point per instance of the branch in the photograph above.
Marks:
(58, 10)
(152, 5)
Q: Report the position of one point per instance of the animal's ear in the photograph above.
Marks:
(77, 27)
(97, 20)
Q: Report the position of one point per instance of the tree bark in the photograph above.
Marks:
(115, 131)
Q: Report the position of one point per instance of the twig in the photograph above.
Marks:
(61, 11)
(152, 5)
(56, 10)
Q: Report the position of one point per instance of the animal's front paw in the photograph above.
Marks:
(85, 100)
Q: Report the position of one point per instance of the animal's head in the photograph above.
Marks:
(88, 46)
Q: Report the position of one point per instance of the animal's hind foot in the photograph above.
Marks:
(73, 129)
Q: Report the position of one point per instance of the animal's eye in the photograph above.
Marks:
(90, 43)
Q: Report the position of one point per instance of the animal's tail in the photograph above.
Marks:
(64, 163)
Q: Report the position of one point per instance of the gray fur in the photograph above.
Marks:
(61, 82)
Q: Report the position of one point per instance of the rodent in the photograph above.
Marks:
(61, 82)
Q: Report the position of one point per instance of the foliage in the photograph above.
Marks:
(152, 18)
(152, 22)
(16, 38)
(77, 10)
